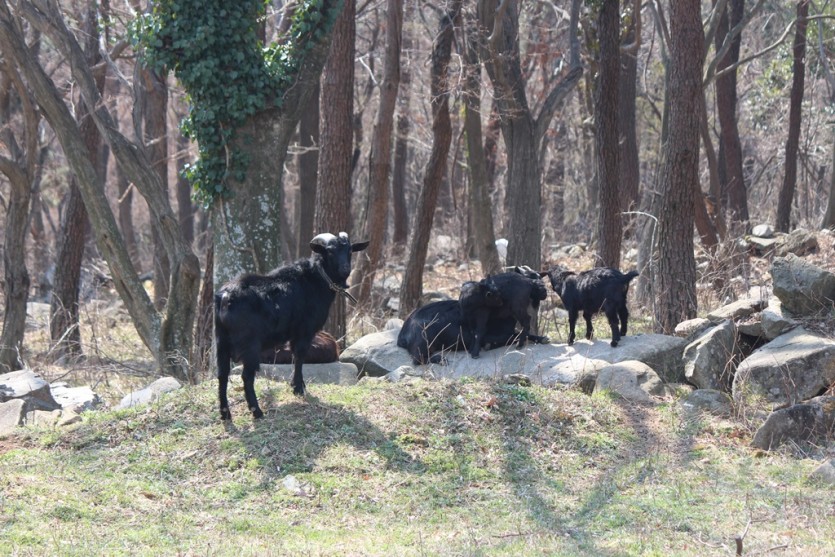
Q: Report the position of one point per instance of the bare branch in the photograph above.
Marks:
(728, 42)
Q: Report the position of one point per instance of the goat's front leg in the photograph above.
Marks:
(299, 354)
(525, 321)
(623, 314)
(252, 363)
(573, 314)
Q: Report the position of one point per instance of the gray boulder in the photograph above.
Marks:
(763, 231)
(797, 242)
(809, 421)
(711, 401)
(825, 473)
(691, 329)
(334, 373)
(377, 355)
(793, 367)
(775, 321)
(741, 309)
(77, 399)
(635, 381)
(150, 393)
(29, 387)
(11, 416)
(803, 288)
(710, 360)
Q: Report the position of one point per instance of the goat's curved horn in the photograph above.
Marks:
(323, 239)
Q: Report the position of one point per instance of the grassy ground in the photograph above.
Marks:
(423, 468)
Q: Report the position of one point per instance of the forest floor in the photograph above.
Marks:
(422, 468)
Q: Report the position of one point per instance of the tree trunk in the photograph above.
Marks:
(733, 186)
(676, 278)
(185, 207)
(410, 290)
(481, 213)
(64, 326)
(784, 203)
(629, 164)
(610, 230)
(829, 216)
(380, 157)
(153, 94)
(307, 162)
(401, 144)
(126, 216)
(333, 205)
(204, 331)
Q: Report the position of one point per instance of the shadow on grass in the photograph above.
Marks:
(293, 435)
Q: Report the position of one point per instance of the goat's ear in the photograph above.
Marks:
(359, 246)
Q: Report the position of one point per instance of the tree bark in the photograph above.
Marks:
(829, 216)
(307, 162)
(380, 157)
(784, 202)
(629, 164)
(410, 290)
(333, 196)
(676, 277)
(401, 143)
(609, 227)
(733, 183)
(481, 213)
(185, 207)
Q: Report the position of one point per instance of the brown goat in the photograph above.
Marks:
(323, 350)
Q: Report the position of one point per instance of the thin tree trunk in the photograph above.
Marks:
(676, 277)
(481, 214)
(307, 163)
(829, 216)
(401, 144)
(733, 185)
(380, 157)
(63, 325)
(610, 229)
(410, 290)
(185, 207)
(784, 203)
(629, 164)
(204, 330)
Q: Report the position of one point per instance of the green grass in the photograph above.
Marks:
(423, 468)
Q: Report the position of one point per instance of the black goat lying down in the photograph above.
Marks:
(254, 313)
(323, 350)
(601, 288)
(440, 326)
(520, 291)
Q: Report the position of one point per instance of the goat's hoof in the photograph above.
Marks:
(614, 343)
(298, 390)
(257, 414)
(225, 414)
(571, 342)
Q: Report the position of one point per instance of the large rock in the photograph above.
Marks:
(691, 329)
(334, 373)
(710, 360)
(377, 355)
(711, 401)
(632, 380)
(149, 393)
(29, 387)
(738, 310)
(793, 367)
(810, 421)
(11, 416)
(796, 242)
(803, 288)
(825, 473)
(77, 399)
(775, 321)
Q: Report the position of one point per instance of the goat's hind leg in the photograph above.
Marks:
(623, 314)
(300, 349)
(252, 363)
(223, 367)
(612, 317)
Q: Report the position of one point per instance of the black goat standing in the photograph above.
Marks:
(590, 291)
(291, 303)
(520, 292)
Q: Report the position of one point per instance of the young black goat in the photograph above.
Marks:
(520, 291)
(291, 303)
(323, 350)
(590, 291)
(439, 326)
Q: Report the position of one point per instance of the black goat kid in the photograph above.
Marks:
(590, 291)
(290, 304)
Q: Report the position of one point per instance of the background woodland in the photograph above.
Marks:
(155, 157)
